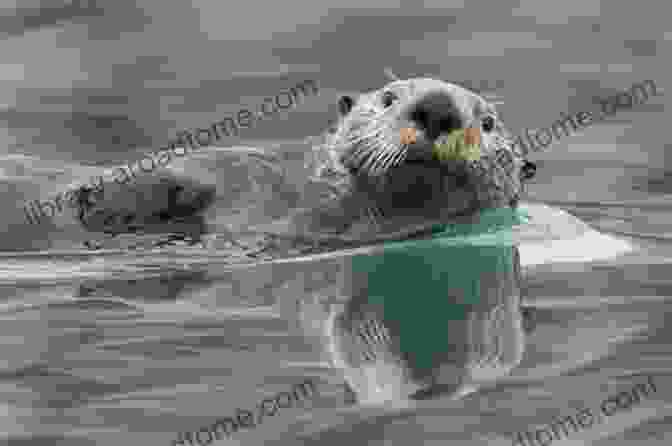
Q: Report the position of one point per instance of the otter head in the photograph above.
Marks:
(406, 177)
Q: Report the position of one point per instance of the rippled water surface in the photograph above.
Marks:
(132, 347)
(124, 347)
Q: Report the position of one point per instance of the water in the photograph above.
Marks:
(119, 347)
(133, 347)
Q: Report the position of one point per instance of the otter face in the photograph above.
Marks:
(404, 176)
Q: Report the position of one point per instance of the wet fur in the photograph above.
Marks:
(377, 194)
(175, 212)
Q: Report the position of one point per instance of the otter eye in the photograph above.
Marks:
(528, 170)
(388, 98)
(345, 104)
(488, 124)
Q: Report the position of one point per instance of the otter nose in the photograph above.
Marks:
(435, 113)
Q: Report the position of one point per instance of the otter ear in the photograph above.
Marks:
(345, 104)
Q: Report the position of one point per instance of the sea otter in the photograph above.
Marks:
(386, 187)
(382, 189)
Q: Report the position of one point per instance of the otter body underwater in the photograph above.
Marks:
(415, 321)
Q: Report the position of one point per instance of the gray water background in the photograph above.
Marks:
(132, 348)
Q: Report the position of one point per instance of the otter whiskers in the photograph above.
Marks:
(374, 151)
(387, 160)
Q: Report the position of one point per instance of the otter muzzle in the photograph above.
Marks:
(460, 144)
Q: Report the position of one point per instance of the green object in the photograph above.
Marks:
(422, 285)
(454, 147)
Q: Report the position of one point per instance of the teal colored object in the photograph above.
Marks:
(424, 284)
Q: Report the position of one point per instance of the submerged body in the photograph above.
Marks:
(441, 314)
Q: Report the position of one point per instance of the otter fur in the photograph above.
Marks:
(385, 188)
